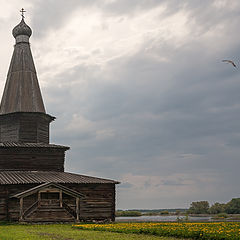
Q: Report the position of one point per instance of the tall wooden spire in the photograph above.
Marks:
(22, 112)
(24, 125)
(22, 92)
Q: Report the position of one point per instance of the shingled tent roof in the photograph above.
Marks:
(22, 92)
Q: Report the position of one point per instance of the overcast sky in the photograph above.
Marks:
(140, 92)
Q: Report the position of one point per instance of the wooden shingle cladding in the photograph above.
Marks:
(25, 127)
(98, 202)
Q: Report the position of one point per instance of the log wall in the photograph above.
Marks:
(98, 204)
(25, 127)
(32, 159)
(99, 201)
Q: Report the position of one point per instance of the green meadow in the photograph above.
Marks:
(64, 232)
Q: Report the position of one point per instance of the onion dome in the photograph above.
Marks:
(22, 29)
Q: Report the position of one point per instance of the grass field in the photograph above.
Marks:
(64, 232)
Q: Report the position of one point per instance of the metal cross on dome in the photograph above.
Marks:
(22, 11)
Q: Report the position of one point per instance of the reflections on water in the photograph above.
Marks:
(160, 218)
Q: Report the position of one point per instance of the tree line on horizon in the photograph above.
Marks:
(203, 207)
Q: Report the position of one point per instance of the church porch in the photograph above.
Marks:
(52, 202)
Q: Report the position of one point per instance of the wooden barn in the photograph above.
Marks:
(33, 184)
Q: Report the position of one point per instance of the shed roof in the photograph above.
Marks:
(30, 145)
(28, 177)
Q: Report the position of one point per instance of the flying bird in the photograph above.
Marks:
(229, 61)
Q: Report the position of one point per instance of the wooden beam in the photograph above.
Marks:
(60, 198)
(21, 208)
(39, 198)
(77, 208)
(50, 190)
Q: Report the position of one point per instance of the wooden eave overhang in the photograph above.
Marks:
(7, 145)
(18, 113)
(41, 177)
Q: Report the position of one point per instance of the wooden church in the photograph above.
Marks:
(33, 184)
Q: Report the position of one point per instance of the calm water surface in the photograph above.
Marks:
(159, 219)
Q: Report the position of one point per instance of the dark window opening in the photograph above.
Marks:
(47, 195)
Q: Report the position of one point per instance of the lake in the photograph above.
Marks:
(160, 219)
